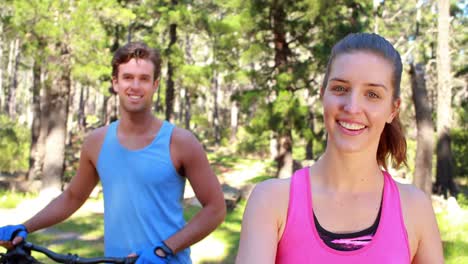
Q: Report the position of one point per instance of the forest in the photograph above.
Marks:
(242, 75)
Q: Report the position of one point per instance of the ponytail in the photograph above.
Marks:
(392, 144)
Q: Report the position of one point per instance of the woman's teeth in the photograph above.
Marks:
(351, 126)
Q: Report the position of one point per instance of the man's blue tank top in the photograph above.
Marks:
(142, 194)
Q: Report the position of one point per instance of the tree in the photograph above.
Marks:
(424, 123)
(290, 44)
(170, 69)
(57, 126)
(445, 178)
(425, 142)
(57, 36)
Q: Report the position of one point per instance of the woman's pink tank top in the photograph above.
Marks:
(301, 242)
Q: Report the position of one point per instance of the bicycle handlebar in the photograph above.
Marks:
(23, 251)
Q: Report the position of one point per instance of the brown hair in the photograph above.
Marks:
(136, 50)
(392, 141)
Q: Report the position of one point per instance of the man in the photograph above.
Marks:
(142, 163)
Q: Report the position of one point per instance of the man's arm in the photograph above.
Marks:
(189, 156)
(76, 193)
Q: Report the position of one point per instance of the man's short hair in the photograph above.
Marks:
(136, 50)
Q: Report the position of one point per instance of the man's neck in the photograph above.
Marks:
(137, 123)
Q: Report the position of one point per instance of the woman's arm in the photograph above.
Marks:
(421, 225)
(429, 248)
(262, 223)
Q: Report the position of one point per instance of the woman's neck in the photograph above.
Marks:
(356, 171)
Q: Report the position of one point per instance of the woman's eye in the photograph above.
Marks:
(339, 89)
(373, 95)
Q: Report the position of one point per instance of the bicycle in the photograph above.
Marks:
(21, 254)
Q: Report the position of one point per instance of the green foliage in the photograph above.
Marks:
(10, 199)
(175, 55)
(50, 29)
(201, 127)
(461, 114)
(278, 97)
(14, 145)
(255, 51)
(411, 154)
(462, 200)
(194, 76)
(253, 142)
(460, 151)
(93, 121)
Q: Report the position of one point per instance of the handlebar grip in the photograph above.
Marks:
(69, 258)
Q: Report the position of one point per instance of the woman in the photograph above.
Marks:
(346, 208)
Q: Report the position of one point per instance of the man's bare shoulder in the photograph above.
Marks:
(93, 142)
(183, 136)
(185, 144)
(96, 135)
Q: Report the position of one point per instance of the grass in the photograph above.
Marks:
(453, 227)
(82, 235)
(223, 242)
(10, 199)
(454, 232)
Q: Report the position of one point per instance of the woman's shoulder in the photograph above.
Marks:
(272, 188)
(268, 192)
(415, 203)
(270, 200)
(421, 225)
(418, 213)
(412, 195)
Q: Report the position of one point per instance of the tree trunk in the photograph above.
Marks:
(9, 74)
(157, 104)
(34, 158)
(110, 111)
(44, 128)
(234, 121)
(81, 108)
(187, 110)
(188, 104)
(445, 168)
(425, 126)
(170, 71)
(180, 105)
(444, 179)
(11, 99)
(55, 142)
(2, 93)
(282, 52)
(310, 140)
(104, 109)
(215, 90)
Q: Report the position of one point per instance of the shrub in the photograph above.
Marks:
(460, 151)
(14, 145)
